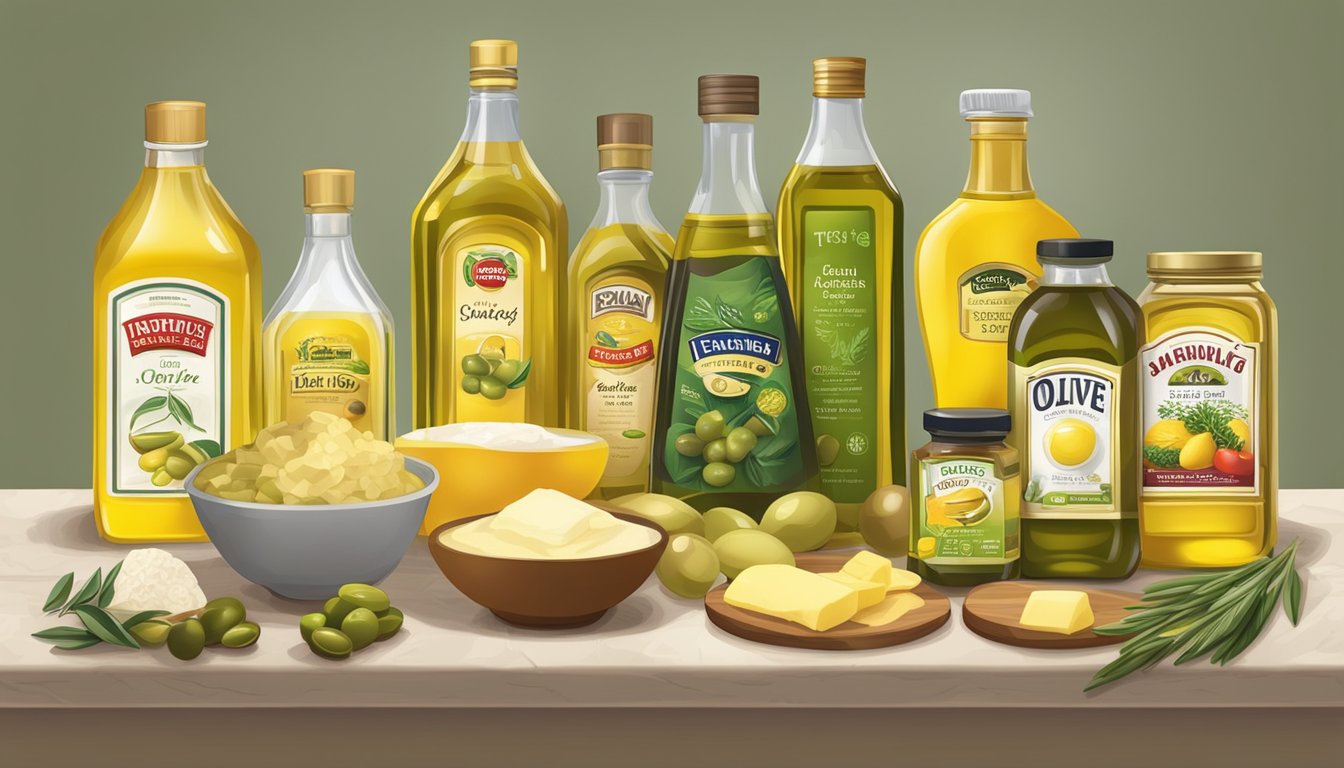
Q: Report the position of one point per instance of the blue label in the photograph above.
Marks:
(757, 345)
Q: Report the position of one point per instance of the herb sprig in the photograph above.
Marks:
(1208, 416)
(90, 605)
(1217, 614)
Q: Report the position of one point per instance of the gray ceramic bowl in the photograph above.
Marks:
(308, 552)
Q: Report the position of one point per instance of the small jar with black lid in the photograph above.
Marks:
(966, 492)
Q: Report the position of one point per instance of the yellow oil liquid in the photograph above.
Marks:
(488, 243)
(333, 362)
(175, 249)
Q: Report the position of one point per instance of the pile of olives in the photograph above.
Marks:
(358, 616)
(223, 621)
(721, 452)
(492, 377)
(166, 457)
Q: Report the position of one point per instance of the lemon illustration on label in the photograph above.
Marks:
(1070, 442)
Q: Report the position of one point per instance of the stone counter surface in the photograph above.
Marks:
(651, 651)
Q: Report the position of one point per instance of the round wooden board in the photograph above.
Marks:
(849, 636)
(993, 611)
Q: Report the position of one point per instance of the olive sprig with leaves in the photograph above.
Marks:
(165, 406)
(89, 604)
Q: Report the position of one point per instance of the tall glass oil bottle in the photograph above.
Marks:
(176, 331)
(488, 246)
(733, 426)
(974, 262)
(840, 224)
(1074, 388)
(327, 343)
(617, 278)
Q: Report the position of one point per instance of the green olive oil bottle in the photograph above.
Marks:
(1073, 384)
(732, 426)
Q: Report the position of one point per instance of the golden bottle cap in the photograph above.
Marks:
(1205, 263)
(494, 64)
(730, 95)
(175, 122)
(839, 77)
(625, 140)
(328, 190)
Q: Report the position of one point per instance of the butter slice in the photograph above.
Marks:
(547, 516)
(793, 594)
(889, 610)
(1063, 611)
(869, 592)
(869, 566)
(902, 580)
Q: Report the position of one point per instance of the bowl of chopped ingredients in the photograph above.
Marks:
(308, 507)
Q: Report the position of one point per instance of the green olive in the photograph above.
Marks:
(475, 365)
(741, 441)
(739, 550)
(802, 520)
(154, 459)
(219, 616)
(389, 623)
(336, 610)
(633, 434)
(151, 633)
(364, 596)
(149, 441)
(671, 514)
(709, 426)
(689, 445)
(179, 465)
(160, 478)
(493, 389)
(721, 520)
(828, 449)
(884, 520)
(361, 626)
(311, 622)
(689, 566)
(471, 384)
(718, 474)
(240, 636)
(507, 371)
(186, 639)
(717, 450)
(331, 643)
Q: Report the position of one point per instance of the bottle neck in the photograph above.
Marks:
(1083, 274)
(728, 176)
(326, 225)
(836, 136)
(492, 116)
(624, 197)
(999, 160)
(174, 155)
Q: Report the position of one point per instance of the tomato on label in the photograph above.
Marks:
(1234, 462)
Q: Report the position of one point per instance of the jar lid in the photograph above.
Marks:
(990, 423)
(1074, 250)
(1209, 263)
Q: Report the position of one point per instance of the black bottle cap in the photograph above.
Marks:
(990, 423)
(1075, 250)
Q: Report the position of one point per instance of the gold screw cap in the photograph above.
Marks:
(625, 140)
(494, 64)
(730, 95)
(328, 190)
(1210, 263)
(175, 122)
(839, 77)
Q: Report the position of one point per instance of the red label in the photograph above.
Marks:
(490, 273)
(628, 356)
(167, 330)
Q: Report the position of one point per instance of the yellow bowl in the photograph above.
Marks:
(476, 480)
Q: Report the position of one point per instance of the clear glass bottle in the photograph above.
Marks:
(840, 239)
(617, 278)
(176, 336)
(488, 246)
(327, 344)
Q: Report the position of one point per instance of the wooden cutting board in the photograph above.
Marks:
(850, 636)
(993, 610)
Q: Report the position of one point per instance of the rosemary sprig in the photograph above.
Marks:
(1217, 614)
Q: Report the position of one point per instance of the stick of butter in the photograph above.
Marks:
(547, 516)
(793, 594)
(869, 592)
(1063, 611)
(869, 566)
(889, 610)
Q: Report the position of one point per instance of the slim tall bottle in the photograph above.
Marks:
(840, 222)
(733, 426)
(975, 261)
(488, 247)
(617, 278)
(176, 332)
(327, 343)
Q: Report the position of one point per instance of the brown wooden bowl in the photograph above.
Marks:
(548, 594)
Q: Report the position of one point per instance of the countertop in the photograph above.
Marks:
(653, 650)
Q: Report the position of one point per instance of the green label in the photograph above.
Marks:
(838, 326)
(963, 518)
(732, 361)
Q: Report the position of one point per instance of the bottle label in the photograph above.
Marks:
(733, 380)
(619, 374)
(329, 365)
(988, 296)
(964, 515)
(168, 393)
(1068, 418)
(1200, 413)
(839, 333)
(490, 372)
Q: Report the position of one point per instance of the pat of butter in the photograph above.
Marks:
(1063, 611)
(868, 566)
(889, 610)
(869, 592)
(903, 580)
(793, 594)
(547, 516)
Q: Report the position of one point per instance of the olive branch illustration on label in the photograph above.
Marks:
(170, 406)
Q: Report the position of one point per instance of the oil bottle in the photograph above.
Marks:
(973, 263)
(176, 332)
(733, 427)
(840, 228)
(488, 245)
(1074, 387)
(327, 343)
(617, 278)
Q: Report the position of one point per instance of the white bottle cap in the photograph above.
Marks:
(996, 102)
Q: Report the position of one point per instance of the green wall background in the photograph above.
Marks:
(1161, 125)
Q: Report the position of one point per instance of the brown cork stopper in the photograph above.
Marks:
(625, 140)
(730, 95)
